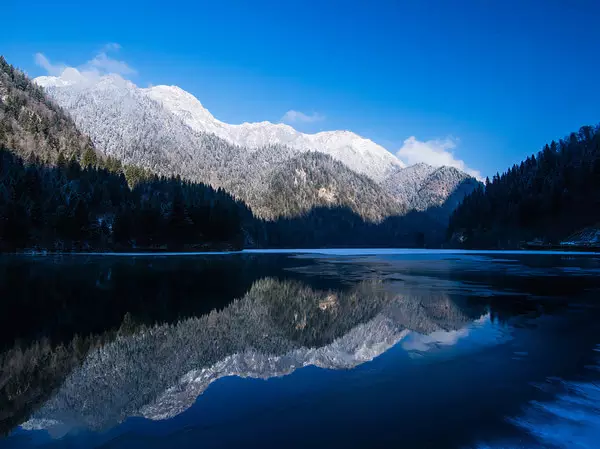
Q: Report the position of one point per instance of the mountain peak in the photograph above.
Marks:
(186, 106)
(358, 153)
(172, 91)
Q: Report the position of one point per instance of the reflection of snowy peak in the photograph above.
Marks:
(274, 329)
(362, 344)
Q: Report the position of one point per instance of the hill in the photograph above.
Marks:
(544, 198)
(32, 124)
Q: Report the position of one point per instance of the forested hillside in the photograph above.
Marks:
(546, 197)
(67, 207)
(32, 124)
(58, 192)
(314, 180)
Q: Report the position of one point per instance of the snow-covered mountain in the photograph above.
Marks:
(359, 154)
(168, 131)
(125, 122)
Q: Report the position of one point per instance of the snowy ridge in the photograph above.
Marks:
(359, 154)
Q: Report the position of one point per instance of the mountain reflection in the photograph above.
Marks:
(278, 326)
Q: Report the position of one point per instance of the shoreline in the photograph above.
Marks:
(321, 251)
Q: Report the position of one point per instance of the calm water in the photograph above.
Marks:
(341, 349)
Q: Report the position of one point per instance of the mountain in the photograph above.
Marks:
(72, 90)
(417, 187)
(434, 190)
(168, 131)
(126, 123)
(359, 154)
(545, 198)
(58, 193)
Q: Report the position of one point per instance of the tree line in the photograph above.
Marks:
(547, 197)
(69, 207)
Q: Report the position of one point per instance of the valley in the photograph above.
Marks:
(148, 169)
(151, 170)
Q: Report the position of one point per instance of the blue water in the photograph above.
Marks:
(362, 348)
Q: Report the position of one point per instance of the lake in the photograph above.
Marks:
(341, 348)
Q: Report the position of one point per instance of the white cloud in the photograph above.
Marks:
(435, 152)
(101, 64)
(105, 64)
(292, 116)
(52, 69)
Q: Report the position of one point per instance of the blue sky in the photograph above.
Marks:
(487, 82)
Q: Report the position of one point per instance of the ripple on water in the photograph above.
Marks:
(570, 420)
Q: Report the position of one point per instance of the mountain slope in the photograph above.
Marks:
(546, 197)
(126, 123)
(359, 154)
(168, 131)
(423, 187)
(319, 180)
(57, 194)
(33, 125)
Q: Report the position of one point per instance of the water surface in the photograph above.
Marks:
(301, 349)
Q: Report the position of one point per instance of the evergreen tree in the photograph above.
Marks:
(548, 196)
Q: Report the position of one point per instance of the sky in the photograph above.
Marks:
(478, 84)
